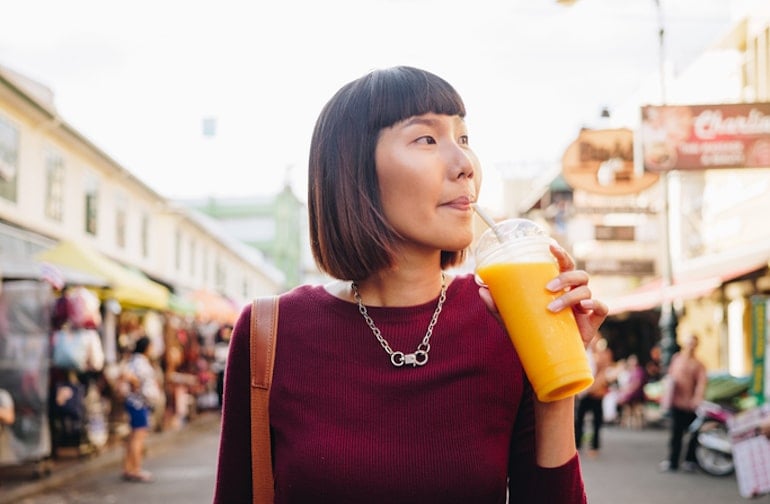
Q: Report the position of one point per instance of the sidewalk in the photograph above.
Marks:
(25, 483)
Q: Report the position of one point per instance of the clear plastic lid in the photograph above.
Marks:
(513, 239)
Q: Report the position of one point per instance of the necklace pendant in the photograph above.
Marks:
(418, 358)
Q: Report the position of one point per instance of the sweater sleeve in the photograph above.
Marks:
(529, 483)
(233, 481)
(562, 484)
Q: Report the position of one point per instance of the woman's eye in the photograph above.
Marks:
(426, 140)
(463, 140)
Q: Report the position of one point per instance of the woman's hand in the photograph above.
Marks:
(589, 313)
(573, 284)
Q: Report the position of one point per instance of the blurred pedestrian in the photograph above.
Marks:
(7, 418)
(7, 410)
(221, 349)
(653, 367)
(686, 389)
(591, 400)
(631, 394)
(144, 395)
(358, 412)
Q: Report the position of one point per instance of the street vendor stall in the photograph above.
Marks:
(24, 349)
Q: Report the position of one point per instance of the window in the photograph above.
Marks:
(192, 257)
(220, 278)
(763, 70)
(9, 158)
(205, 265)
(144, 235)
(755, 70)
(54, 184)
(92, 204)
(121, 206)
(178, 250)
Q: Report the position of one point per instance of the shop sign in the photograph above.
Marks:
(605, 266)
(615, 233)
(698, 137)
(602, 162)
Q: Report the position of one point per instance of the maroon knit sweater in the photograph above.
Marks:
(348, 427)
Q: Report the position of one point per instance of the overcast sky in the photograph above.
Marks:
(138, 78)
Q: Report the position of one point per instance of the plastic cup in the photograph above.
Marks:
(514, 261)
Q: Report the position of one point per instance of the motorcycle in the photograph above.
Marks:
(713, 449)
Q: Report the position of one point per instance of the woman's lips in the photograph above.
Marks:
(461, 203)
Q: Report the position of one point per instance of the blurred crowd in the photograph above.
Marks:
(88, 391)
(623, 393)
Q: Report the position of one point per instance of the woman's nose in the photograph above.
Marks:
(461, 163)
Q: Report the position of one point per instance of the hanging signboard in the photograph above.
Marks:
(698, 137)
(602, 162)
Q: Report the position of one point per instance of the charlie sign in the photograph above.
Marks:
(698, 137)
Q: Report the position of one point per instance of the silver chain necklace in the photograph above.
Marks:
(420, 356)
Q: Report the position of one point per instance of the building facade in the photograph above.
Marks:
(274, 225)
(55, 185)
(696, 239)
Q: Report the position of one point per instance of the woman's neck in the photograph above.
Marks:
(392, 287)
(401, 287)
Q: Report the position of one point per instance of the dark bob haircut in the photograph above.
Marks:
(349, 235)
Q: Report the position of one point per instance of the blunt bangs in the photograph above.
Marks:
(399, 93)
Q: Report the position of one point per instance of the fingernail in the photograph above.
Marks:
(554, 285)
(555, 305)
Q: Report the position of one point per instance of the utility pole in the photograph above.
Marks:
(667, 323)
(668, 319)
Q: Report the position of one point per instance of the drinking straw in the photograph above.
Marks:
(487, 220)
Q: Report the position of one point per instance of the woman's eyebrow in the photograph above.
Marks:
(419, 120)
(427, 121)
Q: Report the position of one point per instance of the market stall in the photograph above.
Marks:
(24, 350)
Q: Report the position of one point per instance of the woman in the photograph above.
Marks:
(391, 181)
(145, 392)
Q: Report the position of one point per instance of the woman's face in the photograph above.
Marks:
(428, 177)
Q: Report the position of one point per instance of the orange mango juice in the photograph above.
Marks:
(549, 344)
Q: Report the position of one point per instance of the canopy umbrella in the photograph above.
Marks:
(182, 305)
(212, 306)
(130, 289)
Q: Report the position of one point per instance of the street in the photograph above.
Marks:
(625, 471)
(183, 466)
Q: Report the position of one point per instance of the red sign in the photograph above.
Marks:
(698, 137)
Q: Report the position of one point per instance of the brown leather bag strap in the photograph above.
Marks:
(264, 327)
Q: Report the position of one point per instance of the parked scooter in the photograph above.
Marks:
(713, 450)
(726, 396)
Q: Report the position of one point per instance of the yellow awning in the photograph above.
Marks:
(130, 289)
